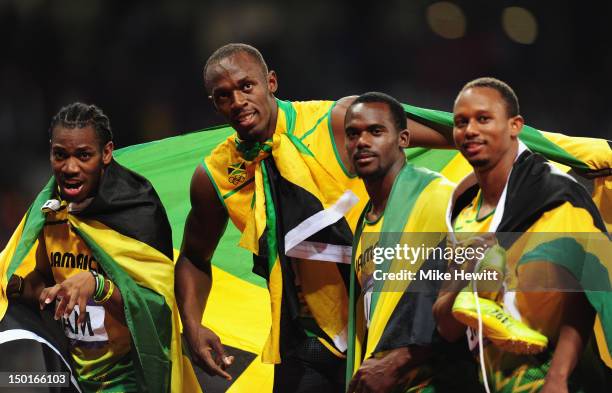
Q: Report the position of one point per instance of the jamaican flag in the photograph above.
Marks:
(127, 230)
(238, 308)
(400, 311)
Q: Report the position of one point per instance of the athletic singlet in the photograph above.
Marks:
(100, 347)
(364, 262)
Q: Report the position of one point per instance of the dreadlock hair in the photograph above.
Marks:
(229, 50)
(79, 115)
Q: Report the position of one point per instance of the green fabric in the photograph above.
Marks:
(270, 221)
(536, 141)
(302, 148)
(407, 188)
(591, 272)
(436, 160)
(567, 252)
(35, 220)
(169, 165)
(532, 137)
(350, 352)
(148, 318)
(290, 114)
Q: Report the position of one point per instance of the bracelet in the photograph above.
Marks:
(99, 284)
(111, 288)
(95, 276)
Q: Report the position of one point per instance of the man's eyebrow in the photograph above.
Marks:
(375, 125)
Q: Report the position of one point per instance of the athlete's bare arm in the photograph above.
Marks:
(577, 317)
(204, 227)
(31, 286)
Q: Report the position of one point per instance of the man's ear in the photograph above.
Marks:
(107, 152)
(404, 138)
(272, 81)
(516, 125)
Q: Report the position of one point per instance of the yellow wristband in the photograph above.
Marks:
(111, 288)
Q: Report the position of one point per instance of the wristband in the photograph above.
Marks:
(111, 288)
(99, 284)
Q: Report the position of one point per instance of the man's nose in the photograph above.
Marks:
(71, 167)
(364, 140)
(471, 129)
(239, 98)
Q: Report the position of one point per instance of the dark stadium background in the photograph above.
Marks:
(141, 62)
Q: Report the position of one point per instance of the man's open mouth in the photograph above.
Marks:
(73, 188)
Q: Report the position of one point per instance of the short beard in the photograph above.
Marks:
(479, 163)
(378, 174)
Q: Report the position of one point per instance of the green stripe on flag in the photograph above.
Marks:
(407, 189)
(35, 219)
(436, 159)
(169, 165)
(537, 142)
(148, 318)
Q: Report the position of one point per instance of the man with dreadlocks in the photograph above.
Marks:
(87, 247)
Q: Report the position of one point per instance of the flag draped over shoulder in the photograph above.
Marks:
(542, 200)
(289, 205)
(396, 304)
(128, 232)
(238, 307)
(545, 215)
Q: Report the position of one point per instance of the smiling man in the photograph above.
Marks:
(515, 190)
(101, 230)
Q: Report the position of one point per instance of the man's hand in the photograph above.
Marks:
(14, 287)
(382, 375)
(78, 289)
(202, 343)
(554, 384)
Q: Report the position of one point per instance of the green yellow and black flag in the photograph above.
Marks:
(238, 307)
(127, 230)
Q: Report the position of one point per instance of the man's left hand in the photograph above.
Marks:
(381, 375)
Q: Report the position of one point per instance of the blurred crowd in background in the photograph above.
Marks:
(141, 62)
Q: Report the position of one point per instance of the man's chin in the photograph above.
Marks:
(479, 163)
(369, 174)
(251, 135)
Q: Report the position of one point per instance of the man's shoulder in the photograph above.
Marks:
(541, 179)
(308, 114)
(536, 187)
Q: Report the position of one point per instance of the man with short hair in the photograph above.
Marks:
(395, 346)
(515, 190)
(96, 233)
